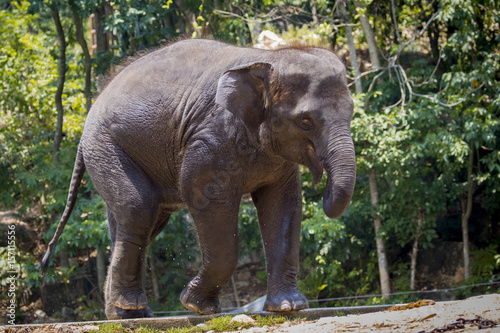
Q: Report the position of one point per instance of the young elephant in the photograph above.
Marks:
(199, 123)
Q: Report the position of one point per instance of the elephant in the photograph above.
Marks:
(198, 124)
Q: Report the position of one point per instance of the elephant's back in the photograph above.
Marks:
(151, 106)
(183, 64)
(170, 87)
(171, 78)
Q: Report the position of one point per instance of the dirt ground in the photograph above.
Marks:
(424, 318)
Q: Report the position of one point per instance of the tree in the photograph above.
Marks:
(372, 176)
(369, 35)
(60, 83)
(472, 91)
(352, 48)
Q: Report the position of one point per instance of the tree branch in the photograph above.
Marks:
(230, 14)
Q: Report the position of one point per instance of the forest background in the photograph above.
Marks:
(424, 75)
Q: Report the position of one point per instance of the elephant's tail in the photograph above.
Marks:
(76, 179)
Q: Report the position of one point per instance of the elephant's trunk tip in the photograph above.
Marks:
(335, 204)
(340, 186)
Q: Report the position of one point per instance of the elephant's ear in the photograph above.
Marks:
(243, 90)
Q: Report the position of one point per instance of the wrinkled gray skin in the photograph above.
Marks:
(200, 123)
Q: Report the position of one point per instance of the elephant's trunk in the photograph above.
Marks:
(340, 165)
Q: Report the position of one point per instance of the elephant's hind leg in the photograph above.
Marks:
(124, 294)
(126, 299)
(133, 213)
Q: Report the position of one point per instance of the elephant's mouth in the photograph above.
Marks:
(314, 164)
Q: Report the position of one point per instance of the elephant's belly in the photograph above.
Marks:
(170, 199)
(261, 173)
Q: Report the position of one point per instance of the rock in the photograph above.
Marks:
(40, 314)
(268, 40)
(26, 236)
(90, 328)
(243, 319)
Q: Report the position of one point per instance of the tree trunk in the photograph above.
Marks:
(383, 266)
(80, 37)
(101, 269)
(466, 212)
(102, 44)
(352, 48)
(60, 83)
(433, 33)
(414, 251)
(370, 37)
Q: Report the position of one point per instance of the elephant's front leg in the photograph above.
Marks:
(216, 222)
(279, 208)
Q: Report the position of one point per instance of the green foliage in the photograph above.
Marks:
(28, 79)
(110, 328)
(326, 247)
(485, 261)
(87, 227)
(419, 122)
(25, 100)
(139, 25)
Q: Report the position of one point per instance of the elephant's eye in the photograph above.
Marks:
(305, 124)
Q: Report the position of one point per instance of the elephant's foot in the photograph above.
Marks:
(114, 312)
(285, 301)
(199, 301)
(128, 298)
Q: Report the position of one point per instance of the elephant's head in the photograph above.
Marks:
(300, 104)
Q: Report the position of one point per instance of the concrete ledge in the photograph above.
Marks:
(186, 321)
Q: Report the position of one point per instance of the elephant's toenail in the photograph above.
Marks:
(285, 307)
